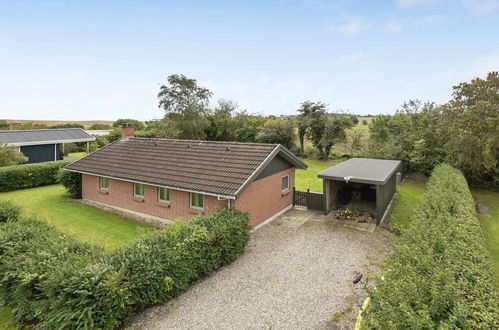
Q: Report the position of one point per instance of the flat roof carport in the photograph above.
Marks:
(378, 172)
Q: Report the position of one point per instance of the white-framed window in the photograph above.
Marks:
(138, 190)
(285, 182)
(196, 201)
(163, 195)
(103, 183)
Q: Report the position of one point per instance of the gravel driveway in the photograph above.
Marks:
(295, 273)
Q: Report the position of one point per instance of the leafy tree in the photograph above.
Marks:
(472, 117)
(185, 103)
(308, 110)
(31, 125)
(164, 129)
(364, 122)
(355, 120)
(355, 141)
(10, 156)
(326, 131)
(138, 125)
(278, 131)
(222, 125)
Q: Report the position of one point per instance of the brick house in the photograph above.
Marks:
(162, 179)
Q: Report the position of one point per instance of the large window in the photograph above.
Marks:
(285, 182)
(197, 201)
(163, 195)
(103, 183)
(138, 190)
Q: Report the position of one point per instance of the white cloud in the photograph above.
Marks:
(413, 3)
(351, 28)
(392, 27)
(481, 6)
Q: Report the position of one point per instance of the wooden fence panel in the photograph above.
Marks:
(311, 200)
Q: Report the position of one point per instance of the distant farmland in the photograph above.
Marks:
(85, 123)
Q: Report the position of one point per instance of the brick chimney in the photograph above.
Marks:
(15, 126)
(127, 130)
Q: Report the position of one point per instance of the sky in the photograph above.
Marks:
(102, 60)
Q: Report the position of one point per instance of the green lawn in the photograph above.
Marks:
(6, 322)
(77, 154)
(89, 224)
(408, 195)
(490, 225)
(307, 179)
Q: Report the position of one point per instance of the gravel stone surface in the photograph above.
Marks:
(296, 273)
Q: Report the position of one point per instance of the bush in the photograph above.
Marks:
(440, 275)
(29, 175)
(57, 283)
(72, 182)
(9, 211)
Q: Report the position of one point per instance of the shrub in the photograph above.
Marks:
(9, 211)
(72, 182)
(57, 283)
(29, 175)
(440, 275)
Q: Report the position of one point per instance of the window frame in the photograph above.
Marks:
(101, 187)
(193, 206)
(135, 190)
(164, 200)
(287, 188)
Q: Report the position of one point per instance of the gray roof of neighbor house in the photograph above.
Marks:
(215, 168)
(363, 170)
(44, 136)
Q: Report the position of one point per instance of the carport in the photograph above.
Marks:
(361, 184)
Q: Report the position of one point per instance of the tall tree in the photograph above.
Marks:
(186, 104)
(222, 124)
(326, 131)
(308, 110)
(280, 131)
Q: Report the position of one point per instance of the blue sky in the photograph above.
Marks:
(83, 60)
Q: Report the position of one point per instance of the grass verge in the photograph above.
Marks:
(307, 179)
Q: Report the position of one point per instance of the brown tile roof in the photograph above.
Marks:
(218, 168)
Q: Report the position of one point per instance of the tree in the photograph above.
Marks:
(98, 126)
(326, 131)
(10, 156)
(280, 131)
(138, 125)
(222, 125)
(4, 125)
(186, 103)
(355, 141)
(164, 129)
(308, 110)
(68, 125)
(472, 116)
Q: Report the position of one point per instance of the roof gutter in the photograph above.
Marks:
(34, 143)
(155, 185)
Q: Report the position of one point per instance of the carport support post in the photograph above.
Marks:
(87, 147)
(325, 195)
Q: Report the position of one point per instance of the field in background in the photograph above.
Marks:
(85, 123)
(307, 179)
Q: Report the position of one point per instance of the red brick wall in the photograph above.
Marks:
(264, 198)
(120, 193)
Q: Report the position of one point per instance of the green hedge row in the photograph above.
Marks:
(440, 275)
(55, 282)
(29, 175)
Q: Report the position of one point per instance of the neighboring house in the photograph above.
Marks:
(168, 179)
(98, 132)
(43, 145)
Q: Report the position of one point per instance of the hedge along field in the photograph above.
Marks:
(53, 281)
(30, 175)
(440, 275)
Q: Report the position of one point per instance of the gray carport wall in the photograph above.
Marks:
(379, 172)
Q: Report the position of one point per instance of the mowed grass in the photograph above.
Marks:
(307, 179)
(6, 321)
(87, 223)
(490, 225)
(407, 199)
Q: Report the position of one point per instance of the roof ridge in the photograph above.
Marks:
(207, 141)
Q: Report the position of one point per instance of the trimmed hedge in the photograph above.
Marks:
(29, 175)
(440, 275)
(9, 211)
(71, 181)
(56, 282)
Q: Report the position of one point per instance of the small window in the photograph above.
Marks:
(138, 190)
(103, 183)
(197, 201)
(285, 182)
(163, 195)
